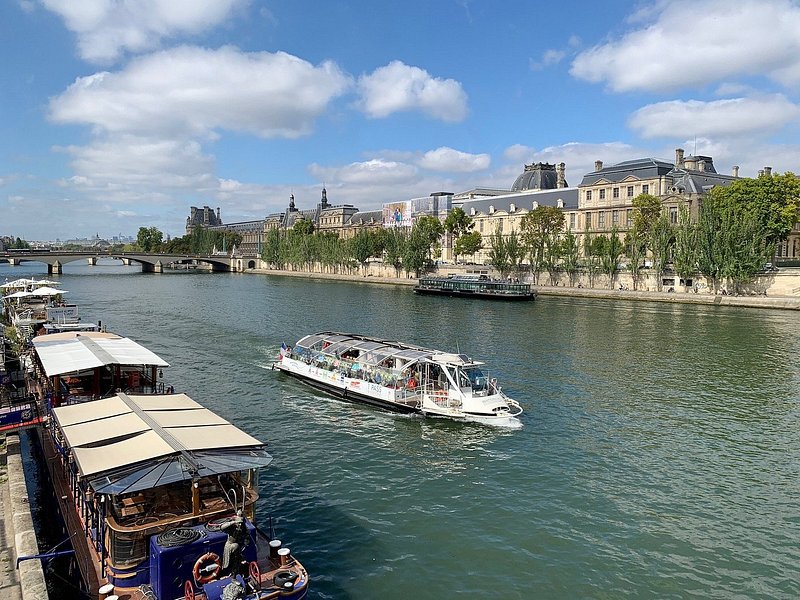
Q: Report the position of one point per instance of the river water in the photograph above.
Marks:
(659, 456)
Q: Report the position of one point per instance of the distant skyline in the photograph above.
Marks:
(119, 115)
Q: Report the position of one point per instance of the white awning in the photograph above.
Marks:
(73, 352)
(109, 438)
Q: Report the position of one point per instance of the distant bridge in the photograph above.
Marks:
(151, 263)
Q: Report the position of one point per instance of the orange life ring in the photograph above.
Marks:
(255, 575)
(206, 568)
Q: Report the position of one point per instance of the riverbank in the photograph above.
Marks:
(773, 302)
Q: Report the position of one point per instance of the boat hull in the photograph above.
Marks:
(346, 389)
(471, 294)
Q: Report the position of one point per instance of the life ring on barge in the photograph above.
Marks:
(206, 568)
(255, 575)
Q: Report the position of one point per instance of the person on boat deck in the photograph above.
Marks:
(412, 382)
(235, 544)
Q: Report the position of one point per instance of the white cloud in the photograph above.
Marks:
(106, 29)
(192, 91)
(398, 87)
(693, 43)
(738, 116)
(375, 171)
(579, 157)
(448, 159)
(549, 58)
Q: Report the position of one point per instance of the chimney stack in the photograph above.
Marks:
(598, 165)
(679, 158)
(735, 171)
(768, 171)
(562, 181)
(761, 172)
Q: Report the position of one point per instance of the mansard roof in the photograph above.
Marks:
(524, 200)
(366, 216)
(640, 168)
(685, 181)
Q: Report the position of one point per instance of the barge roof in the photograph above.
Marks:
(72, 352)
(127, 443)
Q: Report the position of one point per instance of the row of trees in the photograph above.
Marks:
(733, 236)
(412, 251)
(200, 241)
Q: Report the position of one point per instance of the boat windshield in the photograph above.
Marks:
(473, 377)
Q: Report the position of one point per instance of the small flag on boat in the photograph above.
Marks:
(284, 350)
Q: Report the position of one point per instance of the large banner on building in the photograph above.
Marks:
(397, 214)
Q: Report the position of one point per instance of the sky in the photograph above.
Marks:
(120, 114)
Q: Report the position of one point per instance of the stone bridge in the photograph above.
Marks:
(151, 263)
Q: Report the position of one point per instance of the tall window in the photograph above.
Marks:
(572, 220)
(588, 195)
(588, 220)
(673, 214)
(602, 194)
(629, 217)
(615, 193)
(630, 191)
(601, 220)
(645, 188)
(615, 218)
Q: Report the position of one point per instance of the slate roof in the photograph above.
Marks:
(641, 168)
(366, 216)
(523, 200)
(698, 182)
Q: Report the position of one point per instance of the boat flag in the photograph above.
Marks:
(284, 350)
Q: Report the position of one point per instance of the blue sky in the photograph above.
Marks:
(118, 114)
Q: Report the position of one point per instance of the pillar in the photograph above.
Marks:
(54, 269)
(91, 261)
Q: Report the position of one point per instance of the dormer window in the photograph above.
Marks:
(491, 210)
(512, 208)
(535, 204)
(472, 211)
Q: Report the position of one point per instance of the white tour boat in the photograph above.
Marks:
(399, 377)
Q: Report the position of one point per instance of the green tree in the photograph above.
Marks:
(771, 200)
(685, 253)
(303, 227)
(458, 224)
(394, 247)
(569, 253)
(591, 254)
(635, 250)
(273, 250)
(498, 253)
(362, 246)
(430, 229)
(468, 244)
(611, 248)
(646, 210)
(149, 239)
(515, 251)
(661, 238)
(416, 253)
(540, 230)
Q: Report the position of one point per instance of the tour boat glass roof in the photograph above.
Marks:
(72, 352)
(370, 351)
(127, 443)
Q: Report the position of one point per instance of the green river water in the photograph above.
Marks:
(659, 456)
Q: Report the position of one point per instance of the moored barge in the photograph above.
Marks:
(475, 286)
(158, 492)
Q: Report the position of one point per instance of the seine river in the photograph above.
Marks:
(659, 457)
